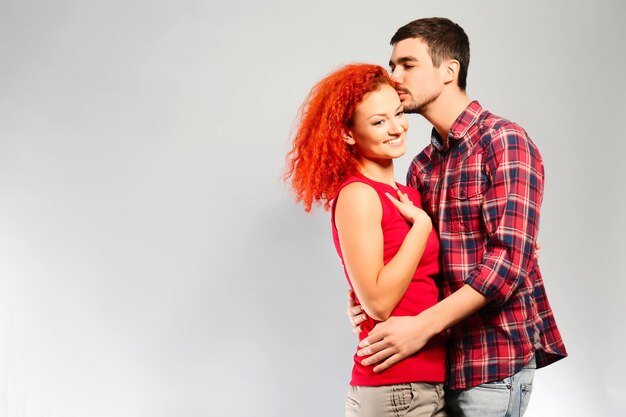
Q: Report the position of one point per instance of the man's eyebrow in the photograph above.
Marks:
(403, 60)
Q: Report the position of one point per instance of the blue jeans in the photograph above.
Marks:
(505, 398)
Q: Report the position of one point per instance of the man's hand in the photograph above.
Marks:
(401, 336)
(355, 313)
(393, 340)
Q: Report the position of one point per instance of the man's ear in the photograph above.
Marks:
(348, 137)
(452, 70)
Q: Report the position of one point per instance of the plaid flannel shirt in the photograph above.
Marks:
(483, 188)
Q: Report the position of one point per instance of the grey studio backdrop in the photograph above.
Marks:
(153, 264)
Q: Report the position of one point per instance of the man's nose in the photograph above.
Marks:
(396, 75)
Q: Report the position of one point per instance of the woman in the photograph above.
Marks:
(351, 128)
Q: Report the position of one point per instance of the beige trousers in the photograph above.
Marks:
(415, 399)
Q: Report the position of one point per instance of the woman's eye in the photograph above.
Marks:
(378, 123)
(400, 113)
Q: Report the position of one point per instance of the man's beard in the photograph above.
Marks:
(414, 106)
(411, 107)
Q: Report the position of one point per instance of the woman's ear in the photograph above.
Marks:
(348, 137)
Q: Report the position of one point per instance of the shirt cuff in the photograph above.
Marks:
(490, 284)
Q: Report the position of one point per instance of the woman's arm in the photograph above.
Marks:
(379, 287)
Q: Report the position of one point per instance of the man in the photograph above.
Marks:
(481, 179)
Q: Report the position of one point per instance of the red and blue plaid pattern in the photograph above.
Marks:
(484, 187)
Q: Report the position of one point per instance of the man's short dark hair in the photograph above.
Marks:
(445, 39)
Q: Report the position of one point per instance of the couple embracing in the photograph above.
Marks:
(445, 285)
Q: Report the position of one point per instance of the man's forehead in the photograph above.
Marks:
(411, 49)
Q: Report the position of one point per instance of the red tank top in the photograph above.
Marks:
(427, 365)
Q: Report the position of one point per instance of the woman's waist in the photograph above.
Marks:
(427, 365)
(418, 297)
(399, 311)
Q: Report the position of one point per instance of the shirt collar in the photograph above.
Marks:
(461, 125)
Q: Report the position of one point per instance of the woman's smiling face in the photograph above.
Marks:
(379, 125)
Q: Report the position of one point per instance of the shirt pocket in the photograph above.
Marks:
(466, 195)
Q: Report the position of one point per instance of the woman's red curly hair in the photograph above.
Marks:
(320, 160)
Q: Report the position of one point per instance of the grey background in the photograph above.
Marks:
(153, 264)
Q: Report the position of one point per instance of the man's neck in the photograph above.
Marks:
(443, 112)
